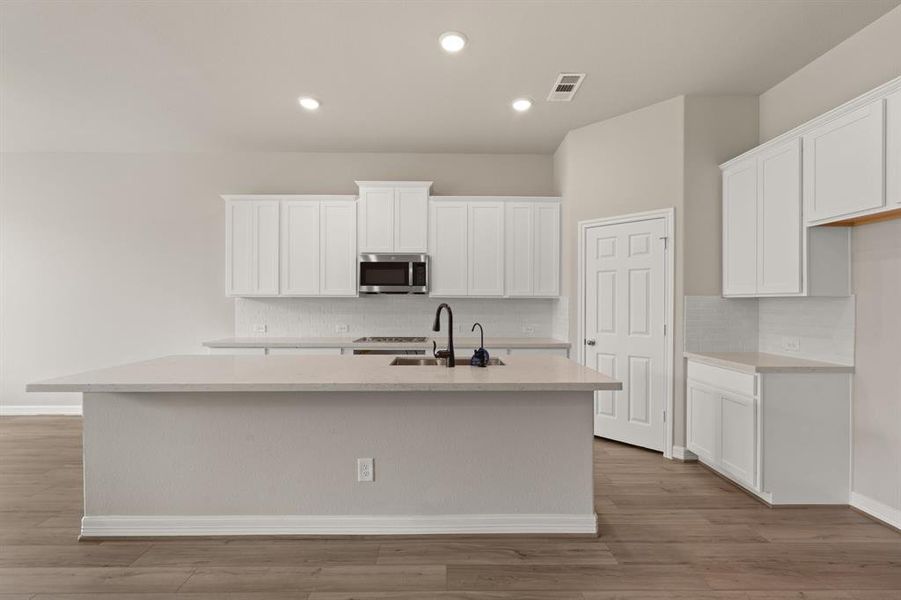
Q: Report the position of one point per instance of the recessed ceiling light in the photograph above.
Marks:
(522, 104)
(308, 103)
(452, 41)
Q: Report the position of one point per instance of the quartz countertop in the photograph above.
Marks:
(761, 362)
(361, 373)
(467, 342)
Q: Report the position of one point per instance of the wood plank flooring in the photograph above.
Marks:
(667, 531)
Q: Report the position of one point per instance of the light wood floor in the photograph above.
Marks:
(668, 530)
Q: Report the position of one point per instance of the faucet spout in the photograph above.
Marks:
(436, 326)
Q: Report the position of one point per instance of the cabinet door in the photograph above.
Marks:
(300, 248)
(338, 249)
(411, 217)
(779, 227)
(702, 424)
(520, 235)
(738, 442)
(448, 248)
(486, 248)
(893, 149)
(547, 249)
(844, 165)
(740, 229)
(377, 220)
(251, 261)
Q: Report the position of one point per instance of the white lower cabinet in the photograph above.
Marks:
(784, 436)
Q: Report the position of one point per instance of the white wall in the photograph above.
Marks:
(865, 60)
(111, 258)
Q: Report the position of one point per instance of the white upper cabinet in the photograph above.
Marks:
(251, 247)
(448, 248)
(486, 248)
(740, 229)
(844, 165)
(893, 150)
(393, 216)
(779, 228)
(291, 245)
(338, 248)
(532, 233)
(300, 248)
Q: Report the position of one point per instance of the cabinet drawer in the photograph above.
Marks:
(725, 379)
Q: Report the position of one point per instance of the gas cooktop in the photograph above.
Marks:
(378, 339)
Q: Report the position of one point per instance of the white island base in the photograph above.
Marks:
(226, 463)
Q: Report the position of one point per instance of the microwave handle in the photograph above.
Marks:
(410, 273)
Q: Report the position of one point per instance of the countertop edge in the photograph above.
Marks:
(313, 343)
(747, 367)
(282, 387)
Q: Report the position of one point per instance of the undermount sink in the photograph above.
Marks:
(409, 361)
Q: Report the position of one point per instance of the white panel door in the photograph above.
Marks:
(702, 429)
(448, 248)
(547, 249)
(486, 248)
(844, 165)
(377, 220)
(338, 249)
(779, 226)
(893, 149)
(624, 327)
(738, 442)
(411, 217)
(300, 248)
(251, 261)
(740, 229)
(519, 232)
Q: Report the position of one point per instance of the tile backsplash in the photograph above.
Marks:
(715, 324)
(393, 315)
(814, 328)
(811, 328)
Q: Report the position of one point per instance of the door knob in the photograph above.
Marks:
(590, 342)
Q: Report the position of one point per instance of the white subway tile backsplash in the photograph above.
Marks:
(822, 327)
(811, 328)
(715, 324)
(393, 315)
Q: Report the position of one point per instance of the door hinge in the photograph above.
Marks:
(665, 242)
(664, 416)
(664, 330)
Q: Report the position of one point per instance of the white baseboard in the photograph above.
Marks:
(682, 453)
(50, 409)
(874, 508)
(231, 525)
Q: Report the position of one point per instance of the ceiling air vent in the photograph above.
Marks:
(565, 87)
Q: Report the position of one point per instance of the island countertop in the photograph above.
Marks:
(365, 373)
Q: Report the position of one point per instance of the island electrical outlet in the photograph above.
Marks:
(365, 469)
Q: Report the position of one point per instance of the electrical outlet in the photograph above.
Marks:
(341, 328)
(259, 328)
(791, 344)
(365, 469)
(528, 329)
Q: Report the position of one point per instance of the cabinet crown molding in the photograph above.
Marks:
(882, 91)
(394, 184)
(252, 197)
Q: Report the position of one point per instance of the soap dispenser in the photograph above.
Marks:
(480, 356)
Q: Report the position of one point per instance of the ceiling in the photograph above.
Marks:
(225, 76)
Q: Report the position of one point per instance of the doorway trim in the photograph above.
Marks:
(669, 217)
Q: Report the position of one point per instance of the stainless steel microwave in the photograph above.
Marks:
(394, 273)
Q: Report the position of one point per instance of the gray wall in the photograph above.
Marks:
(865, 60)
(111, 258)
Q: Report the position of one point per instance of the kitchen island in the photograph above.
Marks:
(269, 445)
